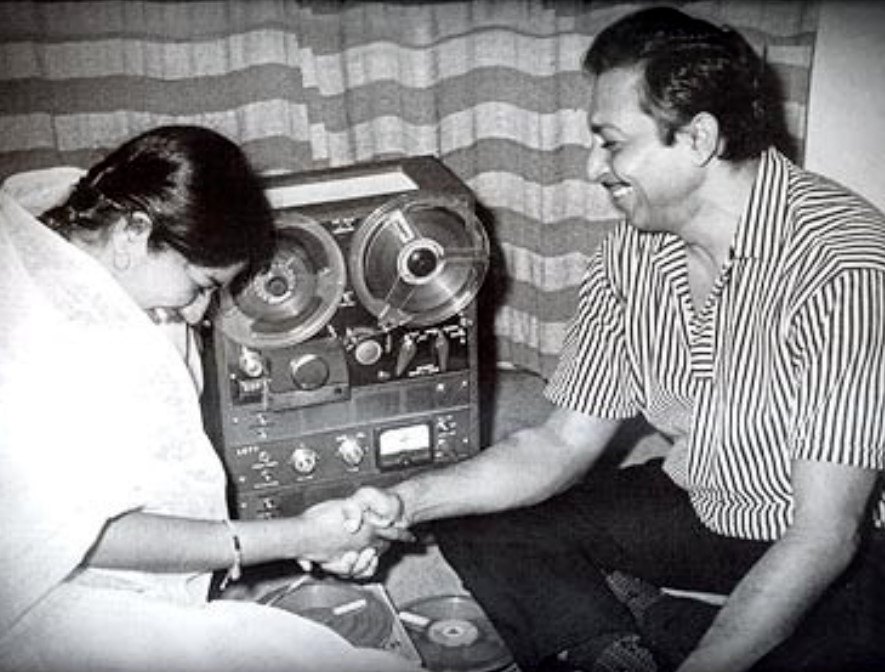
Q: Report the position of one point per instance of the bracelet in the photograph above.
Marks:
(236, 569)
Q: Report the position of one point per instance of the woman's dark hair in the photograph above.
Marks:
(691, 66)
(197, 187)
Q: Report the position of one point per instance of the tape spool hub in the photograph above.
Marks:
(418, 259)
(295, 296)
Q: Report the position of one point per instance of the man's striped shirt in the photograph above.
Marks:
(786, 359)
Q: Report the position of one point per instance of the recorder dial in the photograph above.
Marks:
(309, 371)
(304, 460)
(250, 362)
(351, 451)
(368, 352)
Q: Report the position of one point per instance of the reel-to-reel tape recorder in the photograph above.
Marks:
(351, 359)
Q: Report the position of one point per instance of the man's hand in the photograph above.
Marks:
(348, 535)
(383, 510)
(332, 528)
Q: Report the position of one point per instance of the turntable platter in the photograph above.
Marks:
(355, 614)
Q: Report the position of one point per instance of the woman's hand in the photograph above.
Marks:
(346, 536)
(354, 564)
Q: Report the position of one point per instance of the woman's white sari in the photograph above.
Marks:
(99, 417)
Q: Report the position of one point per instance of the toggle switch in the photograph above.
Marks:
(406, 354)
(441, 348)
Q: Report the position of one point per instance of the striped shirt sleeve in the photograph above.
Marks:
(593, 374)
(839, 340)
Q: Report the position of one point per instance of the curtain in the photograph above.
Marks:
(492, 88)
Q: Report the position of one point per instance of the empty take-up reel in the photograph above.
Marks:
(418, 260)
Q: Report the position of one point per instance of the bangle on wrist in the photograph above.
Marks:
(236, 569)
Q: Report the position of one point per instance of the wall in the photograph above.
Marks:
(846, 111)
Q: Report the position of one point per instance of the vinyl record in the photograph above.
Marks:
(453, 634)
(355, 614)
(418, 259)
(295, 296)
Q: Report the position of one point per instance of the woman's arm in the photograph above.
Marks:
(157, 543)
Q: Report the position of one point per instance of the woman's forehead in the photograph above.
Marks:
(216, 275)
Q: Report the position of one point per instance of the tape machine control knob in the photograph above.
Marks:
(309, 372)
(350, 451)
(303, 460)
(368, 352)
(422, 262)
(250, 363)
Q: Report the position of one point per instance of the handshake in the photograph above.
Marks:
(348, 536)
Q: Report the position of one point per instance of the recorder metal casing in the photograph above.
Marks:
(353, 359)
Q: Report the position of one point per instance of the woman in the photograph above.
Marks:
(114, 516)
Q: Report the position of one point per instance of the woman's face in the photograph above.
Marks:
(166, 282)
(161, 281)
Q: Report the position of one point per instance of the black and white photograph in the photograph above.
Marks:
(442, 336)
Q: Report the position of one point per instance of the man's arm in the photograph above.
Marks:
(774, 596)
(525, 468)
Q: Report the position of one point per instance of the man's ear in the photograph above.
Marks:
(702, 137)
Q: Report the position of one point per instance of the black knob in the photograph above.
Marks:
(421, 262)
(309, 372)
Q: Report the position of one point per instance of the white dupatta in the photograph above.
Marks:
(98, 417)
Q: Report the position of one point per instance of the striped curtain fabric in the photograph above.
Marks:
(492, 88)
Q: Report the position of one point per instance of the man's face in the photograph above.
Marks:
(651, 183)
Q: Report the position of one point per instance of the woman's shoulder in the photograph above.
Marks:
(38, 190)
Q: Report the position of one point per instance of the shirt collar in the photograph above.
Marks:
(761, 226)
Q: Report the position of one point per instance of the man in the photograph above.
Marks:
(741, 309)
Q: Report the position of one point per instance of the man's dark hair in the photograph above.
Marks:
(690, 66)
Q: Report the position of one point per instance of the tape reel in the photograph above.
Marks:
(418, 259)
(295, 297)
(355, 614)
(453, 634)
